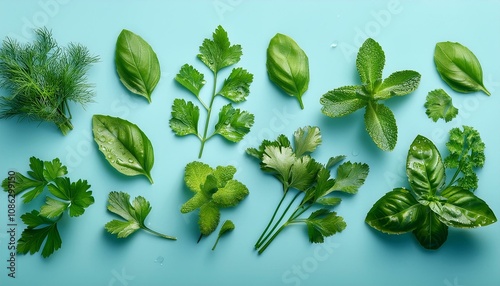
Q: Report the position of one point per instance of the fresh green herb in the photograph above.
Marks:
(431, 205)
(73, 197)
(227, 226)
(137, 64)
(296, 169)
(233, 124)
(288, 66)
(124, 145)
(134, 214)
(213, 189)
(379, 119)
(42, 78)
(459, 67)
(438, 105)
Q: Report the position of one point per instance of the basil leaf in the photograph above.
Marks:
(137, 64)
(342, 101)
(398, 84)
(464, 209)
(381, 126)
(431, 233)
(370, 62)
(459, 67)
(124, 145)
(424, 167)
(396, 212)
(288, 66)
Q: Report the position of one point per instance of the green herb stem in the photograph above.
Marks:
(209, 112)
(259, 241)
(158, 234)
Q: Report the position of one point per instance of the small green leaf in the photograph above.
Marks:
(230, 195)
(431, 233)
(398, 84)
(124, 145)
(370, 63)
(396, 212)
(121, 228)
(237, 86)
(342, 101)
(438, 105)
(218, 53)
(53, 170)
(195, 202)
(424, 167)
(381, 126)
(350, 177)
(279, 161)
(185, 116)
(329, 201)
(333, 161)
(209, 218)
(76, 195)
(323, 223)
(463, 209)
(226, 227)
(303, 173)
(288, 66)
(39, 230)
(191, 79)
(233, 124)
(306, 140)
(53, 208)
(36, 184)
(459, 67)
(137, 64)
(195, 175)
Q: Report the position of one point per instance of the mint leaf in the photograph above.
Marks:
(237, 86)
(342, 101)
(233, 124)
(381, 126)
(185, 116)
(227, 226)
(398, 84)
(439, 105)
(219, 53)
(191, 79)
(370, 63)
(39, 230)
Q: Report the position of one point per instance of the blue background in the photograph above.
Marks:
(330, 32)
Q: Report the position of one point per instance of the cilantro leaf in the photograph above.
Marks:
(39, 229)
(134, 214)
(185, 116)
(75, 195)
(191, 79)
(233, 124)
(219, 53)
(213, 189)
(278, 161)
(323, 223)
(54, 169)
(438, 105)
(306, 140)
(227, 226)
(350, 177)
(237, 86)
(53, 208)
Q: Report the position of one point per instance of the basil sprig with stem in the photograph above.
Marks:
(233, 124)
(430, 206)
(379, 120)
(288, 66)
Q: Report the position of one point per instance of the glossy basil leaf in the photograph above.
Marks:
(424, 167)
(370, 63)
(398, 84)
(288, 66)
(459, 67)
(464, 209)
(381, 126)
(431, 233)
(124, 145)
(342, 101)
(137, 64)
(395, 213)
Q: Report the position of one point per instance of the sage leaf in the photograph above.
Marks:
(124, 145)
(424, 167)
(288, 66)
(381, 126)
(396, 212)
(137, 64)
(459, 67)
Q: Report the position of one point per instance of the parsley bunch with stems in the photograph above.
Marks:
(42, 78)
(293, 166)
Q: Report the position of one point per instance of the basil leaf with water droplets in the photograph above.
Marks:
(459, 67)
(124, 145)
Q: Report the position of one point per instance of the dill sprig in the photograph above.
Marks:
(42, 78)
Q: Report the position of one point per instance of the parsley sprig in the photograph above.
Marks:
(233, 124)
(66, 196)
(297, 170)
